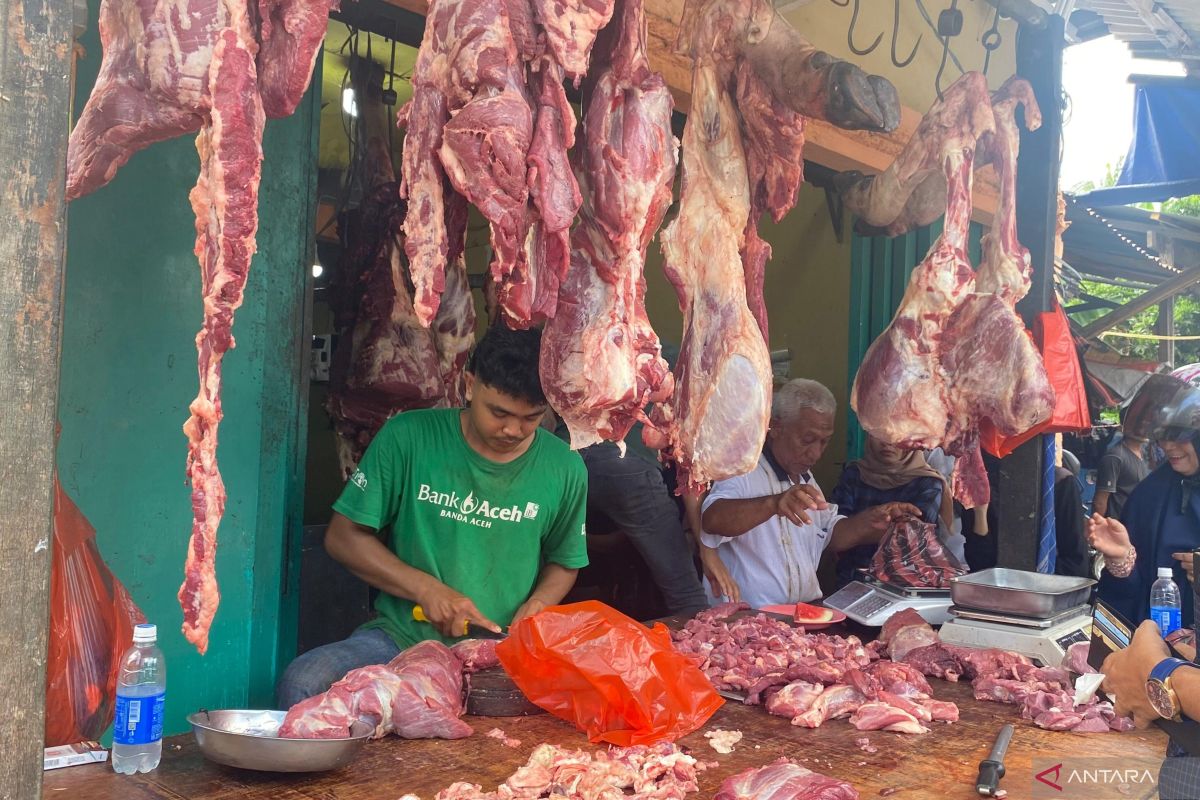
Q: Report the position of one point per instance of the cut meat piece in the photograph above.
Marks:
(154, 80)
(503, 738)
(417, 695)
(834, 702)
(454, 332)
(794, 699)
(904, 632)
(571, 27)
(601, 361)
(774, 137)
(290, 36)
(879, 716)
(784, 780)
(225, 201)
(723, 741)
(911, 554)
(476, 654)
(716, 422)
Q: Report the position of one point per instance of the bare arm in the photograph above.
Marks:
(1100, 503)
(359, 549)
(552, 586)
(734, 517)
(722, 583)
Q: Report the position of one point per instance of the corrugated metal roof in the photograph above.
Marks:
(1162, 29)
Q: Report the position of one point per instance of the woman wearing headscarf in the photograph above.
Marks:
(888, 474)
(1161, 519)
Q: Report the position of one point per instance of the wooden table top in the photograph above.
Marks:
(941, 764)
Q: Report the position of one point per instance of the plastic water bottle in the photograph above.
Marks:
(141, 689)
(1165, 602)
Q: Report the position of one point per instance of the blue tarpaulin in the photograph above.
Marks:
(1164, 157)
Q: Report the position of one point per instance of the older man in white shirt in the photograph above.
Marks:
(771, 525)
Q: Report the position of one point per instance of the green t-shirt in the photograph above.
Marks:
(479, 526)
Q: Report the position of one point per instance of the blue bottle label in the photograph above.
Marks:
(139, 720)
(1166, 617)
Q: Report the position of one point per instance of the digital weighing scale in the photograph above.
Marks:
(868, 601)
(1043, 639)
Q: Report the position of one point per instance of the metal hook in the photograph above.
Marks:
(896, 33)
(850, 34)
(843, 4)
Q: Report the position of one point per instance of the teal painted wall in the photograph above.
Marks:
(132, 309)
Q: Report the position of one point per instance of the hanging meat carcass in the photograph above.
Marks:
(490, 113)
(715, 423)
(154, 82)
(169, 69)
(601, 361)
(956, 351)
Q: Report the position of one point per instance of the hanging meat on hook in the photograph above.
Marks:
(742, 156)
(956, 352)
(601, 361)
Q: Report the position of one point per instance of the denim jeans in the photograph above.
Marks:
(630, 491)
(315, 671)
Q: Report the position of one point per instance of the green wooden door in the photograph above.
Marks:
(879, 274)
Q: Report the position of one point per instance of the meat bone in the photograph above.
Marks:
(811, 82)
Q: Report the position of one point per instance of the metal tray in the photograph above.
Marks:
(1016, 591)
(246, 739)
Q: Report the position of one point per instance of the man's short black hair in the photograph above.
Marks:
(507, 360)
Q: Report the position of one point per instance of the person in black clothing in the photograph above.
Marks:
(1072, 558)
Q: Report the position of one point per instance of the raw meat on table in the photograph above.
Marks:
(723, 741)
(639, 773)
(784, 780)
(476, 654)
(417, 695)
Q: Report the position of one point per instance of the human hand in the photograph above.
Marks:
(1185, 560)
(1107, 535)
(722, 583)
(530, 607)
(880, 518)
(795, 503)
(450, 611)
(1126, 672)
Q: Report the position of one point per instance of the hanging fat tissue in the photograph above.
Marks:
(219, 67)
(956, 351)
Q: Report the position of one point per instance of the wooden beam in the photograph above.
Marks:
(824, 144)
(35, 97)
(1165, 327)
(1140, 304)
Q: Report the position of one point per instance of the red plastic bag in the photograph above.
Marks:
(91, 625)
(1052, 332)
(610, 675)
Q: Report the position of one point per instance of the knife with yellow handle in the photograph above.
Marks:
(478, 633)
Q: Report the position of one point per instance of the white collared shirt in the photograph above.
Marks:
(775, 562)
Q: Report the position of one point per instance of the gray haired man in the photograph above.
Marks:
(771, 525)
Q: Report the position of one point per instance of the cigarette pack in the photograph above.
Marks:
(69, 755)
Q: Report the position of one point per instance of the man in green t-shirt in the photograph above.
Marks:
(475, 514)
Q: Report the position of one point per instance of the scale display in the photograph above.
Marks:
(873, 604)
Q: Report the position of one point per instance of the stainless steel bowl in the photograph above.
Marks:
(1019, 592)
(246, 739)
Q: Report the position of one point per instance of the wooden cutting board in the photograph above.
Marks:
(491, 693)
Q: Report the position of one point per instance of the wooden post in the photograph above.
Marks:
(1165, 326)
(1018, 492)
(35, 64)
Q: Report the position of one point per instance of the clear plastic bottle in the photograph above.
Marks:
(141, 690)
(1165, 602)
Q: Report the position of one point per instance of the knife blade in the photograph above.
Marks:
(991, 769)
(469, 629)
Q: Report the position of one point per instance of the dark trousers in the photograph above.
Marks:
(630, 491)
